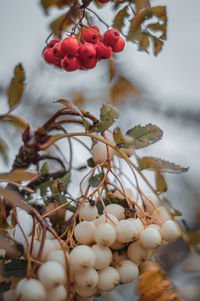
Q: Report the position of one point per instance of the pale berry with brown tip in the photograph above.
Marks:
(70, 46)
(119, 45)
(111, 37)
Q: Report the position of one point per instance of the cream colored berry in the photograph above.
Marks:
(125, 231)
(103, 256)
(151, 202)
(51, 274)
(170, 231)
(161, 215)
(88, 212)
(84, 232)
(116, 210)
(85, 291)
(58, 256)
(105, 234)
(150, 238)
(57, 293)
(128, 271)
(87, 278)
(107, 218)
(137, 253)
(138, 226)
(100, 154)
(108, 279)
(32, 290)
(82, 257)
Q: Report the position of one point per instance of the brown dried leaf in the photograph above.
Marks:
(158, 44)
(14, 120)
(122, 89)
(3, 150)
(18, 175)
(16, 87)
(56, 216)
(142, 4)
(112, 69)
(161, 184)
(120, 17)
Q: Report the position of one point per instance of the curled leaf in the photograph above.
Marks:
(120, 138)
(153, 163)
(108, 115)
(145, 135)
(120, 18)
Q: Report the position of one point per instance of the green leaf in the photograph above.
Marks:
(4, 287)
(91, 163)
(43, 187)
(145, 135)
(4, 150)
(94, 181)
(108, 115)
(44, 169)
(15, 268)
(120, 138)
(119, 18)
(64, 21)
(16, 87)
(161, 185)
(153, 163)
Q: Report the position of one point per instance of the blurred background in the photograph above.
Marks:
(163, 90)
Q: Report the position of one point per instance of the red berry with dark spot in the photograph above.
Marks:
(49, 57)
(70, 63)
(53, 42)
(119, 45)
(87, 52)
(90, 36)
(57, 51)
(70, 46)
(103, 51)
(45, 48)
(90, 63)
(111, 36)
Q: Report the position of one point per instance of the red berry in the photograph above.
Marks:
(90, 36)
(45, 48)
(103, 51)
(90, 63)
(95, 28)
(70, 63)
(70, 46)
(53, 42)
(57, 51)
(49, 57)
(103, 1)
(87, 52)
(111, 36)
(119, 45)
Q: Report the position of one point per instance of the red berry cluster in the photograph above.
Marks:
(84, 51)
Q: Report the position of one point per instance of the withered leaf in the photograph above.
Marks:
(120, 18)
(108, 115)
(153, 163)
(16, 87)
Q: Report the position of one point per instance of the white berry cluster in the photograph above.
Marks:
(109, 249)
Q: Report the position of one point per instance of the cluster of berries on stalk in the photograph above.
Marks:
(109, 247)
(84, 51)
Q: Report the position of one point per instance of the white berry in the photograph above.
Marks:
(82, 257)
(99, 152)
(32, 290)
(150, 238)
(161, 215)
(88, 278)
(85, 291)
(84, 232)
(108, 279)
(125, 231)
(107, 218)
(58, 256)
(138, 226)
(105, 234)
(128, 271)
(51, 274)
(88, 212)
(151, 202)
(57, 293)
(116, 210)
(103, 256)
(170, 231)
(137, 253)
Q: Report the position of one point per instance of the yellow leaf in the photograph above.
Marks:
(16, 87)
